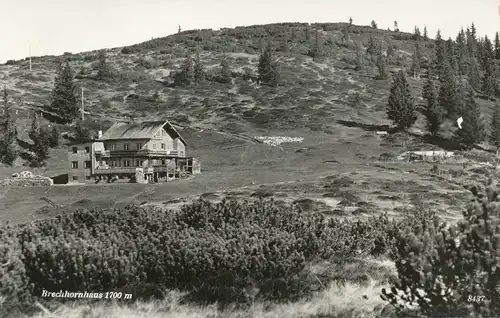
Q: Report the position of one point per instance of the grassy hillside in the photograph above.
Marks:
(338, 166)
(313, 94)
(325, 101)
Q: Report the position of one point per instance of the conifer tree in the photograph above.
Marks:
(103, 70)
(440, 56)
(417, 57)
(9, 149)
(396, 28)
(54, 137)
(497, 46)
(350, 20)
(372, 47)
(374, 24)
(448, 90)
(494, 136)
(433, 112)
(471, 44)
(461, 97)
(198, 71)
(461, 39)
(401, 107)
(40, 146)
(425, 35)
(461, 55)
(487, 52)
(473, 74)
(382, 66)
(225, 71)
(64, 97)
(185, 76)
(426, 93)
(472, 126)
(488, 65)
(473, 32)
(489, 81)
(450, 54)
(268, 68)
(416, 33)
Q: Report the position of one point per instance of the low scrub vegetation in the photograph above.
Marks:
(452, 270)
(226, 252)
(239, 252)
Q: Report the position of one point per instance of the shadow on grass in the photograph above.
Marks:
(23, 144)
(443, 143)
(368, 127)
(52, 116)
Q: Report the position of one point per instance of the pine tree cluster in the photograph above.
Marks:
(9, 148)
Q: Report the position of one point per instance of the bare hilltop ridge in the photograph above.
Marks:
(352, 123)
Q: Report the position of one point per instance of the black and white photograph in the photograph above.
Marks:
(249, 159)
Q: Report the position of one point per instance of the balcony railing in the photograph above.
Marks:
(137, 153)
(131, 170)
(115, 170)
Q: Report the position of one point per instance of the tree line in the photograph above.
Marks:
(460, 71)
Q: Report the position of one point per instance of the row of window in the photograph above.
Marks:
(86, 164)
(126, 147)
(115, 163)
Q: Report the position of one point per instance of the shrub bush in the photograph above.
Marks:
(127, 50)
(217, 252)
(443, 270)
(90, 57)
(14, 282)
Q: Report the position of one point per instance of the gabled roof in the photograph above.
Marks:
(144, 130)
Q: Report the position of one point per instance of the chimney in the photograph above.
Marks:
(99, 134)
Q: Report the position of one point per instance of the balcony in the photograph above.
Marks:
(115, 170)
(137, 153)
(131, 170)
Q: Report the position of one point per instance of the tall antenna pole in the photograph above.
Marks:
(30, 58)
(83, 107)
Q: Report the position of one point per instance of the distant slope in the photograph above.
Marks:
(318, 97)
(314, 93)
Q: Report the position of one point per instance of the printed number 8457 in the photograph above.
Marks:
(476, 299)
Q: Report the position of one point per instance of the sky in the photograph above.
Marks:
(52, 27)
